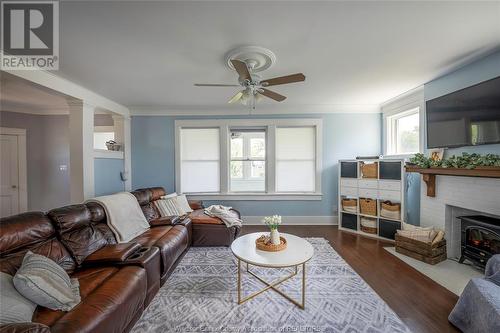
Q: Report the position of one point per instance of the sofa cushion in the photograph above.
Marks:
(77, 232)
(198, 216)
(30, 231)
(45, 283)
(171, 240)
(14, 307)
(111, 298)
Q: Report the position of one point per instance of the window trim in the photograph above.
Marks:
(409, 101)
(392, 131)
(225, 126)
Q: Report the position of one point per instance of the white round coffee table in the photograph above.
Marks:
(297, 253)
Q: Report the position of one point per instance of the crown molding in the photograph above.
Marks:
(240, 110)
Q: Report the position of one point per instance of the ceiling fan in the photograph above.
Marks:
(253, 86)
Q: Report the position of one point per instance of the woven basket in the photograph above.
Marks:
(368, 206)
(368, 225)
(390, 210)
(262, 243)
(369, 170)
(426, 252)
(350, 205)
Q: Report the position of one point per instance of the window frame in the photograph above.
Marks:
(399, 107)
(247, 157)
(225, 127)
(392, 131)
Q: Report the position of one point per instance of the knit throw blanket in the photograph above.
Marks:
(124, 215)
(225, 214)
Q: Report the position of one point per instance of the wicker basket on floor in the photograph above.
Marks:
(368, 206)
(369, 170)
(350, 205)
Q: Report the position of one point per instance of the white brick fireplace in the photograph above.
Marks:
(456, 196)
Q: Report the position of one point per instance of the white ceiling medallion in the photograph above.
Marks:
(257, 58)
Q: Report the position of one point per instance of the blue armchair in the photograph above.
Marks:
(478, 308)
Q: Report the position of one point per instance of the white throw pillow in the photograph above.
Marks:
(168, 196)
(183, 203)
(169, 207)
(14, 307)
(45, 283)
(407, 226)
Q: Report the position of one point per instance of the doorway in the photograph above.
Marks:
(13, 177)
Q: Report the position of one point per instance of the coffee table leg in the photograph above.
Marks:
(303, 285)
(239, 281)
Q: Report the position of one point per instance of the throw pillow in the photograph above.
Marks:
(169, 207)
(45, 283)
(14, 307)
(183, 203)
(168, 196)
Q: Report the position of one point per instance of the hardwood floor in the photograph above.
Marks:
(420, 302)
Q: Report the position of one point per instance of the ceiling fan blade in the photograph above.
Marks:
(236, 97)
(271, 94)
(283, 80)
(215, 85)
(242, 69)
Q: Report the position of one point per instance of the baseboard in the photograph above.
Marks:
(295, 220)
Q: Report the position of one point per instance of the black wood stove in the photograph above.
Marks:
(480, 238)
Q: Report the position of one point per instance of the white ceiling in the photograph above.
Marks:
(354, 54)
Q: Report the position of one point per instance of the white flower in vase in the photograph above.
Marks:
(273, 222)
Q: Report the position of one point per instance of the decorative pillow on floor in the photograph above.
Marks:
(14, 307)
(169, 207)
(45, 283)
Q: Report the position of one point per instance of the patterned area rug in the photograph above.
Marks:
(201, 296)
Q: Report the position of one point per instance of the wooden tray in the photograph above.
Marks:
(261, 244)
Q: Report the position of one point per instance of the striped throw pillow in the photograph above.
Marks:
(44, 282)
(169, 207)
(14, 307)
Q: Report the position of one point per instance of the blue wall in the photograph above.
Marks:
(107, 176)
(476, 72)
(479, 71)
(344, 136)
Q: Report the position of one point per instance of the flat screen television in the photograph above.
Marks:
(466, 117)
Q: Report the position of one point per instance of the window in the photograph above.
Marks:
(248, 161)
(244, 159)
(403, 132)
(295, 159)
(200, 160)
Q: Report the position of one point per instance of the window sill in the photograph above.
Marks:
(102, 153)
(257, 196)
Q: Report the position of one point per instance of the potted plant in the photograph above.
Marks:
(273, 222)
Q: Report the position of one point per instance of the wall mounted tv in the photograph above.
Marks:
(466, 117)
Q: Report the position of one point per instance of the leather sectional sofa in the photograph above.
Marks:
(117, 281)
(206, 230)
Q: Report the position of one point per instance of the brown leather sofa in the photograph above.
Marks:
(117, 281)
(206, 230)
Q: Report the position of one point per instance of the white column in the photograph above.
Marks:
(81, 127)
(122, 136)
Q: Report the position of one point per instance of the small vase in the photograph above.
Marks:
(275, 237)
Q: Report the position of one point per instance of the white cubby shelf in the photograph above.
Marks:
(389, 185)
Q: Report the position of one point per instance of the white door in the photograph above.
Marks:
(9, 175)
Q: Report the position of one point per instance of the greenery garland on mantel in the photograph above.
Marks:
(466, 161)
